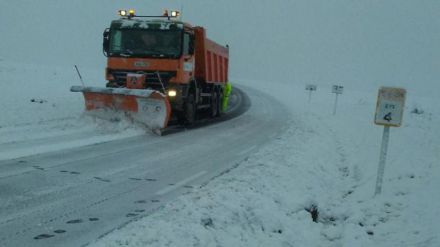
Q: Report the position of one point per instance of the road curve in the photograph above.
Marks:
(72, 197)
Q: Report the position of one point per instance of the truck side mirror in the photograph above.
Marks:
(106, 41)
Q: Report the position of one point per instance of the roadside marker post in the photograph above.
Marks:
(311, 88)
(389, 113)
(336, 89)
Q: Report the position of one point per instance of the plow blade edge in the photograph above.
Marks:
(148, 107)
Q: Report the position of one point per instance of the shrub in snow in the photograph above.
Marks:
(417, 110)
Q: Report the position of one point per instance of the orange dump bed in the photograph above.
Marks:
(211, 59)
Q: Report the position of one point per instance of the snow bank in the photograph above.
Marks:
(323, 164)
(39, 113)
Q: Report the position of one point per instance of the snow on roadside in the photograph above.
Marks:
(40, 93)
(322, 162)
(43, 138)
(39, 113)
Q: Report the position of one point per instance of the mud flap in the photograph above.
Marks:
(148, 107)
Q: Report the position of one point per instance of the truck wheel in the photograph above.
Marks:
(190, 109)
(181, 118)
(214, 105)
(220, 104)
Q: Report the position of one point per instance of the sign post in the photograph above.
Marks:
(389, 112)
(310, 88)
(336, 89)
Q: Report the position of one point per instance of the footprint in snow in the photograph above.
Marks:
(102, 179)
(74, 221)
(43, 236)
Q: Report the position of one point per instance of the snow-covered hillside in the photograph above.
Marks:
(323, 165)
(40, 114)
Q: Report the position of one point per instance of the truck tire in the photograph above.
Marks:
(190, 109)
(220, 103)
(214, 104)
(181, 118)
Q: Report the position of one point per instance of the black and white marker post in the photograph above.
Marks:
(310, 88)
(336, 89)
(389, 112)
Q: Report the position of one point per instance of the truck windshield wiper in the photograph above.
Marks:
(157, 55)
(126, 53)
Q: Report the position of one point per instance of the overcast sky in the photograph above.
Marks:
(360, 44)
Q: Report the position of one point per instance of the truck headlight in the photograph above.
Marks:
(172, 93)
(122, 12)
(175, 13)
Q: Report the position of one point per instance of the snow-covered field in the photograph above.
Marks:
(39, 114)
(323, 165)
(324, 162)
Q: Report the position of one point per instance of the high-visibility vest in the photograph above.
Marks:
(227, 92)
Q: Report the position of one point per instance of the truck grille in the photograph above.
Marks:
(152, 76)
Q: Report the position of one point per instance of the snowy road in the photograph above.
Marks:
(73, 196)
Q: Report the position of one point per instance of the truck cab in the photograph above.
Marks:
(163, 46)
(169, 56)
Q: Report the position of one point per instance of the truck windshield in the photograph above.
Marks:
(145, 43)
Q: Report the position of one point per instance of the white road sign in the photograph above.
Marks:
(337, 89)
(389, 108)
(311, 87)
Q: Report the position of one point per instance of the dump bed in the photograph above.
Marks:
(211, 59)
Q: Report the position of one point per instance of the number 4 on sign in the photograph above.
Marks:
(387, 117)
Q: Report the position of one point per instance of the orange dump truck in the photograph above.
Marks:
(158, 69)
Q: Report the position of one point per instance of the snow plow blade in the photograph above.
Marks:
(148, 107)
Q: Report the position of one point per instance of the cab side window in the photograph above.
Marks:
(187, 44)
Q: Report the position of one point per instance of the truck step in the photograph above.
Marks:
(205, 94)
(203, 106)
